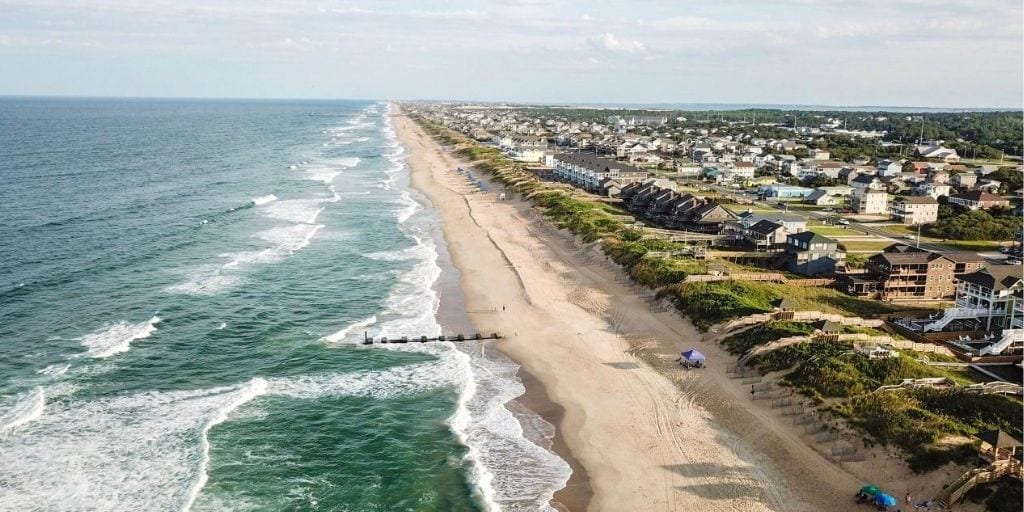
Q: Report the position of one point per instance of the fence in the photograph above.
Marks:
(723, 329)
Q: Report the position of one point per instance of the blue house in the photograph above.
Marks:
(785, 191)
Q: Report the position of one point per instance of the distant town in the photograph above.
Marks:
(868, 261)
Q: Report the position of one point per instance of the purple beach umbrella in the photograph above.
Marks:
(693, 355)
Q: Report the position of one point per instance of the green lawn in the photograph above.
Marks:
(866, 245)
(740, 208)
(966, 245)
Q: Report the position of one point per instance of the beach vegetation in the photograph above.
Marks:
(918, 421)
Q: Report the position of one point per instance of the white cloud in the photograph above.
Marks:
(616, 45)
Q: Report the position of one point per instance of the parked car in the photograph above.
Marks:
(910, 237)
(1005, 250)
(1012, 261)
(843, 222)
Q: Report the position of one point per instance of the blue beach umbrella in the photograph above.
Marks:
(885, 500)
(693, 355)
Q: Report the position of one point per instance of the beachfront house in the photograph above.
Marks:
(586, 170)
(995, 292)
(811, 254)
(905, 273)
(765, 235)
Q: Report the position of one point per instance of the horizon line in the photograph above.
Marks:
(618, 105)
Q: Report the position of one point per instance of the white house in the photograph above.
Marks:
(912, 211)
(868, 202)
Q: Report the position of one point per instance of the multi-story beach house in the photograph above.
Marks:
(868, 201)
(992, 300)
(659, 203)
(811, 254)
(995, 294)
(586, 170)
(912, 211)
(904, 273)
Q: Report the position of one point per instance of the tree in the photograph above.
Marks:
(1009, 177)
(974, 225)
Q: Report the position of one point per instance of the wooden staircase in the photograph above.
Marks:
(971, 479)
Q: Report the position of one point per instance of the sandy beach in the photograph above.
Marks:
(639, 432)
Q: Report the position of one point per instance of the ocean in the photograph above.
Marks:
(184, 286)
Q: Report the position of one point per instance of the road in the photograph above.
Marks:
(740, 197)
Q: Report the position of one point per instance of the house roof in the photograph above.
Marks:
(812, 237)
(830, 326)
(995, 277)
(765, 227)
(594, 162)
(999, 439)
(963, 256)
(907, 258)
(865, 178)
(979, 196)
(817, 194)
(918, 200)
(785, 303)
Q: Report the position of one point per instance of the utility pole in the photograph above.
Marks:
(918, 235)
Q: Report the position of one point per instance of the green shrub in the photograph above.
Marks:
(709, 303)
(742, 342)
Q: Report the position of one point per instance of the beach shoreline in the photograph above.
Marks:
(634, 440)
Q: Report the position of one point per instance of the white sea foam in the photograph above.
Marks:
(285, 240)
(409, 209)
(144, 451)
(303, 211)
(262, 200)
(54, 370)
(390, 383)
(117, 338)
(288, 239)
(252, 389)
(27, 407)
(221, 326)
(150, 451)
(206, 283)
(343, 333)
(324, 175)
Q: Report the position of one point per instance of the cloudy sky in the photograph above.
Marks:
(939, 53)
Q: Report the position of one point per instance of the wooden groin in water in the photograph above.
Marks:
(370, 340)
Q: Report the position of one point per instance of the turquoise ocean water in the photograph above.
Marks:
(183, 286)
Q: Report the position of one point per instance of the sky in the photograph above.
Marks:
(922, 53)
